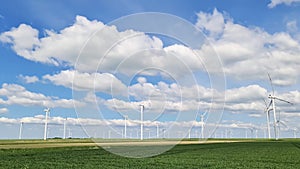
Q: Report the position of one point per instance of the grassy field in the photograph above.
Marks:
(253, 154)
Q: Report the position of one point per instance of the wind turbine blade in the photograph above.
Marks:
(271, 84)
(284, 100)
(281, 122)
(270, 104)
(204, 114)
(265, 103)
(279, 112)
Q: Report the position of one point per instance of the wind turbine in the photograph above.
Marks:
(157, 130)
(267, 111)
(202, 124)
(21, 129)
(65, 124)
(279, 122)
(252, 131)
(256, 133)
(142, 118)
(272, 98)
(125, 126)
(295, 132)
(47, 111)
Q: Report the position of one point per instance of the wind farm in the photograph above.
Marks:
(146, 84)
(136, 135)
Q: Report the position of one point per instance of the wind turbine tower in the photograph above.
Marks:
(267, 111)
(157, 130)
(142, 118)
(21, 129)
(65, 125)
(202, 124)
(47, 111)
(295, 132)
(125, 126)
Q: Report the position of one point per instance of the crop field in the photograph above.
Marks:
(84, 154)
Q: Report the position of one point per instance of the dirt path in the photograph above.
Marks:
(105, 144)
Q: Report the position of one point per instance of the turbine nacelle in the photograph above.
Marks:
(270, 96)
(47, 110)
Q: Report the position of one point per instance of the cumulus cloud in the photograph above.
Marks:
(59, 48)
(55, 48)
(274, 3)
(292, 28)
(245, 94)
(211, 23)
(170, 92)
(3, 110)
(13, 94)
(108, 50)
(246, 53)
(29, 79)
(173, 98)
(250, 53)
(100, 82)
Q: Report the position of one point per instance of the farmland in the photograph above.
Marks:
(84, 154)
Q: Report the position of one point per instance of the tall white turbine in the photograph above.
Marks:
(272, 97)
(109, 134)
(268, 124)
(252, 131)
(142, 120)
(47, 112)
(125, 126)
(21, 129)
(267, 111)
(70, 132)
(65, 127)
(295, 132)
(157, 130)
(256, 133)
(202, 124)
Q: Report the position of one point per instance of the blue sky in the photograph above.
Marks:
(40, 54)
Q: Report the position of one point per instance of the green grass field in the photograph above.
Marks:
(254, 154)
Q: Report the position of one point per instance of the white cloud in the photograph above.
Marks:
(8, 120)
(174, 98)
(246, 52)
(3, 110)
(63, 47)
(142, 80)
(101, 82)
(245, 94)
(292, 26)
(250, 53)
(55, 47)
(213, 23)
(238, 46)
(171, 97)
(13, 94)
(108, 50)
(29, 79)
(274, 3)
(173, 91)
